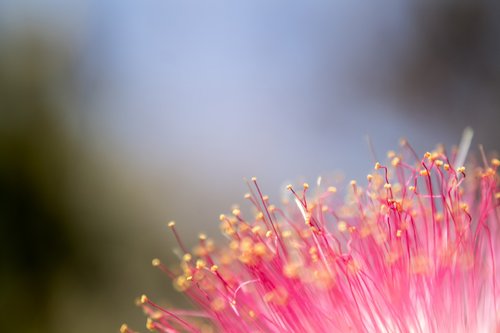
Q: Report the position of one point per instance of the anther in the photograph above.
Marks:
(424, 172)
(150, 324)
(332, 189)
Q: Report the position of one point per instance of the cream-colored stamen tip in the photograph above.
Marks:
(332, 189)
(171, 224)
(342, 226)
(156, 262)
(149, 325)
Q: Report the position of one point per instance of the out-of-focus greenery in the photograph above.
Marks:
(73, 254)
(36, 242)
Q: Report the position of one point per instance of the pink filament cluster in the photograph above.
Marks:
(412, 250)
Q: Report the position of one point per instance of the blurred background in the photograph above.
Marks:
(116, 117)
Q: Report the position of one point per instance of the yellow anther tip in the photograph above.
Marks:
(171, 224)
(123, 328)
(144, 299)
(202, 237)
(156, 262)
(254, 179)
(289, 187)
(149, 324)
(424, 172)
(214, 268)
(342, 226)
(377, 166)
(395, 161)
(306, 186)
(332, 189)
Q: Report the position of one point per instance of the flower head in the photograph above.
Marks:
(411, 249)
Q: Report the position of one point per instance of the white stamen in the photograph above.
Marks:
(464, 146)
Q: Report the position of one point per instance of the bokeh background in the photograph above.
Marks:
(118, 116)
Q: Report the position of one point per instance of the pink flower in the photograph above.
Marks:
(413, 249)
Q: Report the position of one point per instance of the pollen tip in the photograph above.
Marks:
(332, 189)
(171, 224)
(156, 262)
(149, 324)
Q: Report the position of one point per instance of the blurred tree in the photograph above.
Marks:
(36, 241)
(449, 75)
(71, 247)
